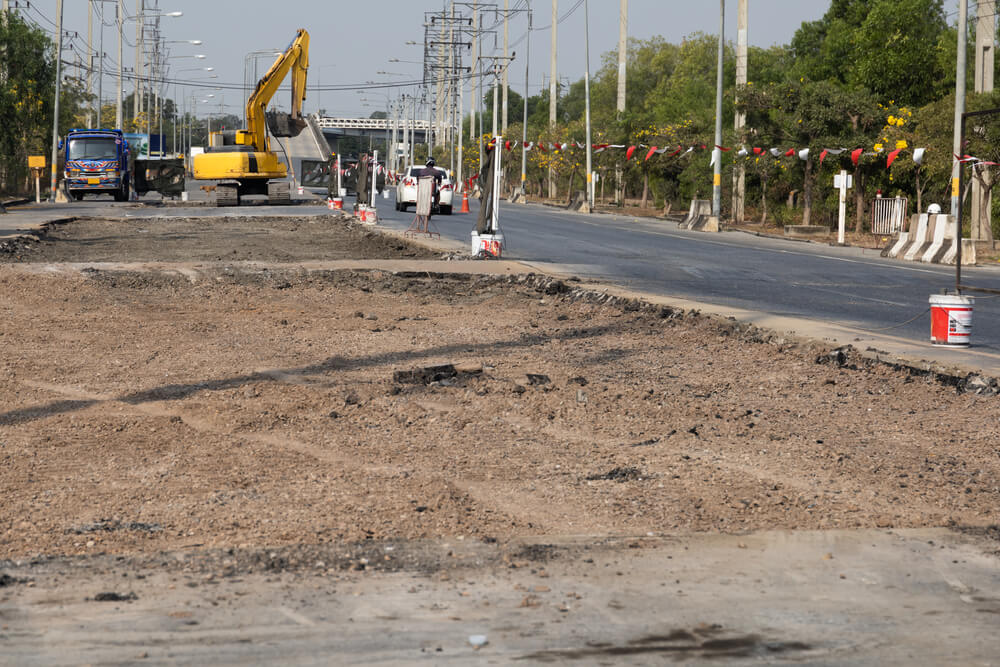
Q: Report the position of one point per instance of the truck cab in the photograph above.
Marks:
(97, 162)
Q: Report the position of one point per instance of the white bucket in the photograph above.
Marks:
(951, 319)
(184, 196)
(301, 190)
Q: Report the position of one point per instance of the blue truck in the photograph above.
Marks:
(97, 162)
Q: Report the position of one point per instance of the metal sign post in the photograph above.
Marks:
(842, 181)
(37, 165)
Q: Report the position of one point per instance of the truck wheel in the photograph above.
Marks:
(445, 210)
(78, 196)
(121, 195)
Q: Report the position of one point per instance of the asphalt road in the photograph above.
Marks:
(848, 286)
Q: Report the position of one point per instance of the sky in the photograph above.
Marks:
(352, 42)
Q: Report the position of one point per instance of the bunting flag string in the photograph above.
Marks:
(743, 151)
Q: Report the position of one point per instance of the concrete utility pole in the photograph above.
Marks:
(524, 127)
(475, 74)
(739, 174)
(90, 60)
(956, 147)
(55, 111)
(140, 19)
(980, 229)
(586, 92)
(716, 152)
(622, 78)
(479, 88)
(506, 42)
(439, 111)
(553, 79)
(119, 15)
(622, 55)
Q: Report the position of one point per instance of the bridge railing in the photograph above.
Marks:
(328, 122)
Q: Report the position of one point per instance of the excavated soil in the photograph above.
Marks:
(229, 239)
(144, 412)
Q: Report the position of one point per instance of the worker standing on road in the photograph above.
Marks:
(364, 180)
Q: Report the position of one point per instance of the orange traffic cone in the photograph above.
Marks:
(465, 202)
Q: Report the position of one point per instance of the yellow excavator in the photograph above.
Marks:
(242, 160)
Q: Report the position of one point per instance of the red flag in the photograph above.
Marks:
(822, 156)
(628, 153)
(892, 157)
(724, 150)
(679, 149)
(650, 153)
(856, 155)
(542, 147)
(506, 145)
(757, 150)
(790, 152)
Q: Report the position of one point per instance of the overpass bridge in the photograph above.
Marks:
(370, 127)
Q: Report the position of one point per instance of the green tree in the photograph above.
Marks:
(27, 65)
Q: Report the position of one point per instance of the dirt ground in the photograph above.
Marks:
(278, 239)
(145, 411)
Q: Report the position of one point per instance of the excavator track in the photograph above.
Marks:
(279, 193)
(227, 195)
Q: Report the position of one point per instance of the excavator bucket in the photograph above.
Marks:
(284, 125)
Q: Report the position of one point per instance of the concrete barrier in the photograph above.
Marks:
(931, 240)
(698, 217)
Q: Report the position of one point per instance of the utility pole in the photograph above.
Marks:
(90, 60)
(739, 174)
(980, 229)
(475, 81)
(524, 126)
(506, 41)
(119, 15)
(622, 79)
(553, 78)
(55, 111)
(716, 152)
(140, 19)
(622, 55)
(586, 93)
(956, 147)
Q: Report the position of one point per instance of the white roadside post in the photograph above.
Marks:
(842, 181)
